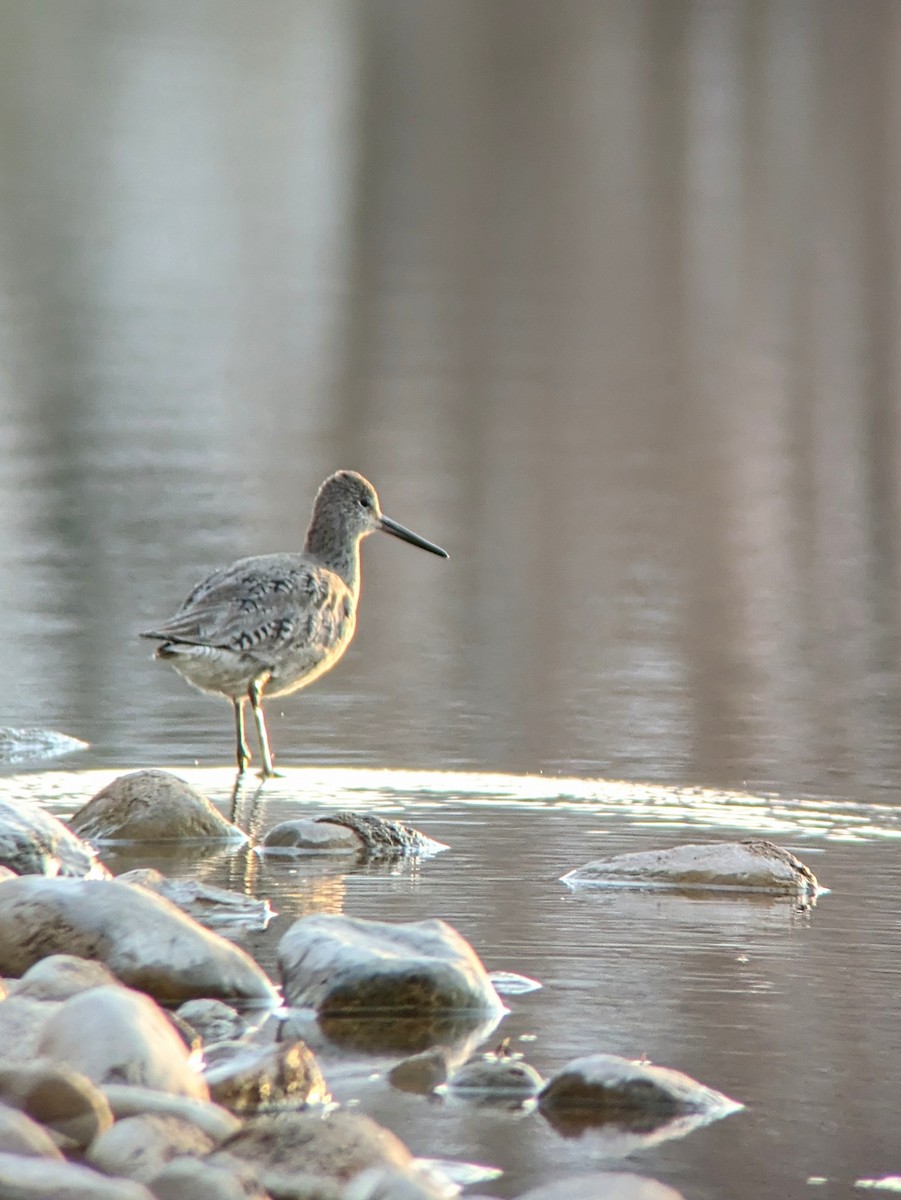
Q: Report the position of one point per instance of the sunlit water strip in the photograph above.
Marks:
(389, 790)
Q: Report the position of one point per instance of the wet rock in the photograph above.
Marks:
(755, 866)
(390, 1183)
(212, 1020)
(66, 1103)
(420, 1073)
(39, 1178)
(115, 1035)
(611, 1185)
(59, 976)
(305, 836)
(145, 940)
(29, 743)
(139, 1147)
(365, 833)
(214, 907)
(339, 964)
(152, 806)
(294, 1150)
(34, 842)
(20, 1135)
(193, 1179)
(502, 1074)
(127, 1100)
(263, 1078)
(619, 1089)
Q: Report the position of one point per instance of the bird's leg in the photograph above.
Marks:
(255, 694)
(243, 752)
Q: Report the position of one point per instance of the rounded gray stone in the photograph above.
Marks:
(152, 806)
(59, 976)
(139, 1147)
(19, 1134)
(39, 1178)
(129, 1100)
(116, 1035)
(61, 1099)
(623, 1089)
(34, 842)
(145, 940)
(195, 1179)
(755, 866)
(338, 964)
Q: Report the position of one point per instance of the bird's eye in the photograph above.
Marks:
(365, 502)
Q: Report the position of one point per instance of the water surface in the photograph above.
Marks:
(603, 297)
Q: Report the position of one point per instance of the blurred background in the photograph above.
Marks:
(602, 296)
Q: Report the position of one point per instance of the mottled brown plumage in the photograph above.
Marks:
(275, 622)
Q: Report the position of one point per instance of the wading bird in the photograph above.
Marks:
(275, 622)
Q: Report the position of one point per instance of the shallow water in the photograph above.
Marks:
(790, 1011)
(602, 297)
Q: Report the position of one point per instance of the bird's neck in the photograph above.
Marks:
(336, 552)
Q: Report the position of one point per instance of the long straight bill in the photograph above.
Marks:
(408, 535)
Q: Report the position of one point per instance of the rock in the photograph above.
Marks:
(611, 1185)
(34, 842)
(341, 965)
(127, 1100)
(212, 1020)
(25, 744)
(365, 833)
(755, 866)
(66, 1103)
(146, 941)
(390, 1183)
(22, 1021)
(500, 1074)
(38, 1178)
(152, 806)
(611, 1088)
(305, 836)
(420, 1073)
(139, 1147)
(194, 1179)
(59, 976)
(115, 1035)
(214, 907)
(20, 1135)
(289, 1149)
(262, 1078)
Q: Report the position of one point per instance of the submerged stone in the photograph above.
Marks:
(146, 941)
(756, 865)
(152, 806)
(30, 742)
(502, 1074)
(366, 834)
(214, 907)
(620, 1089)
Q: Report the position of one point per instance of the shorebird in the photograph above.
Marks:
(275, 622)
